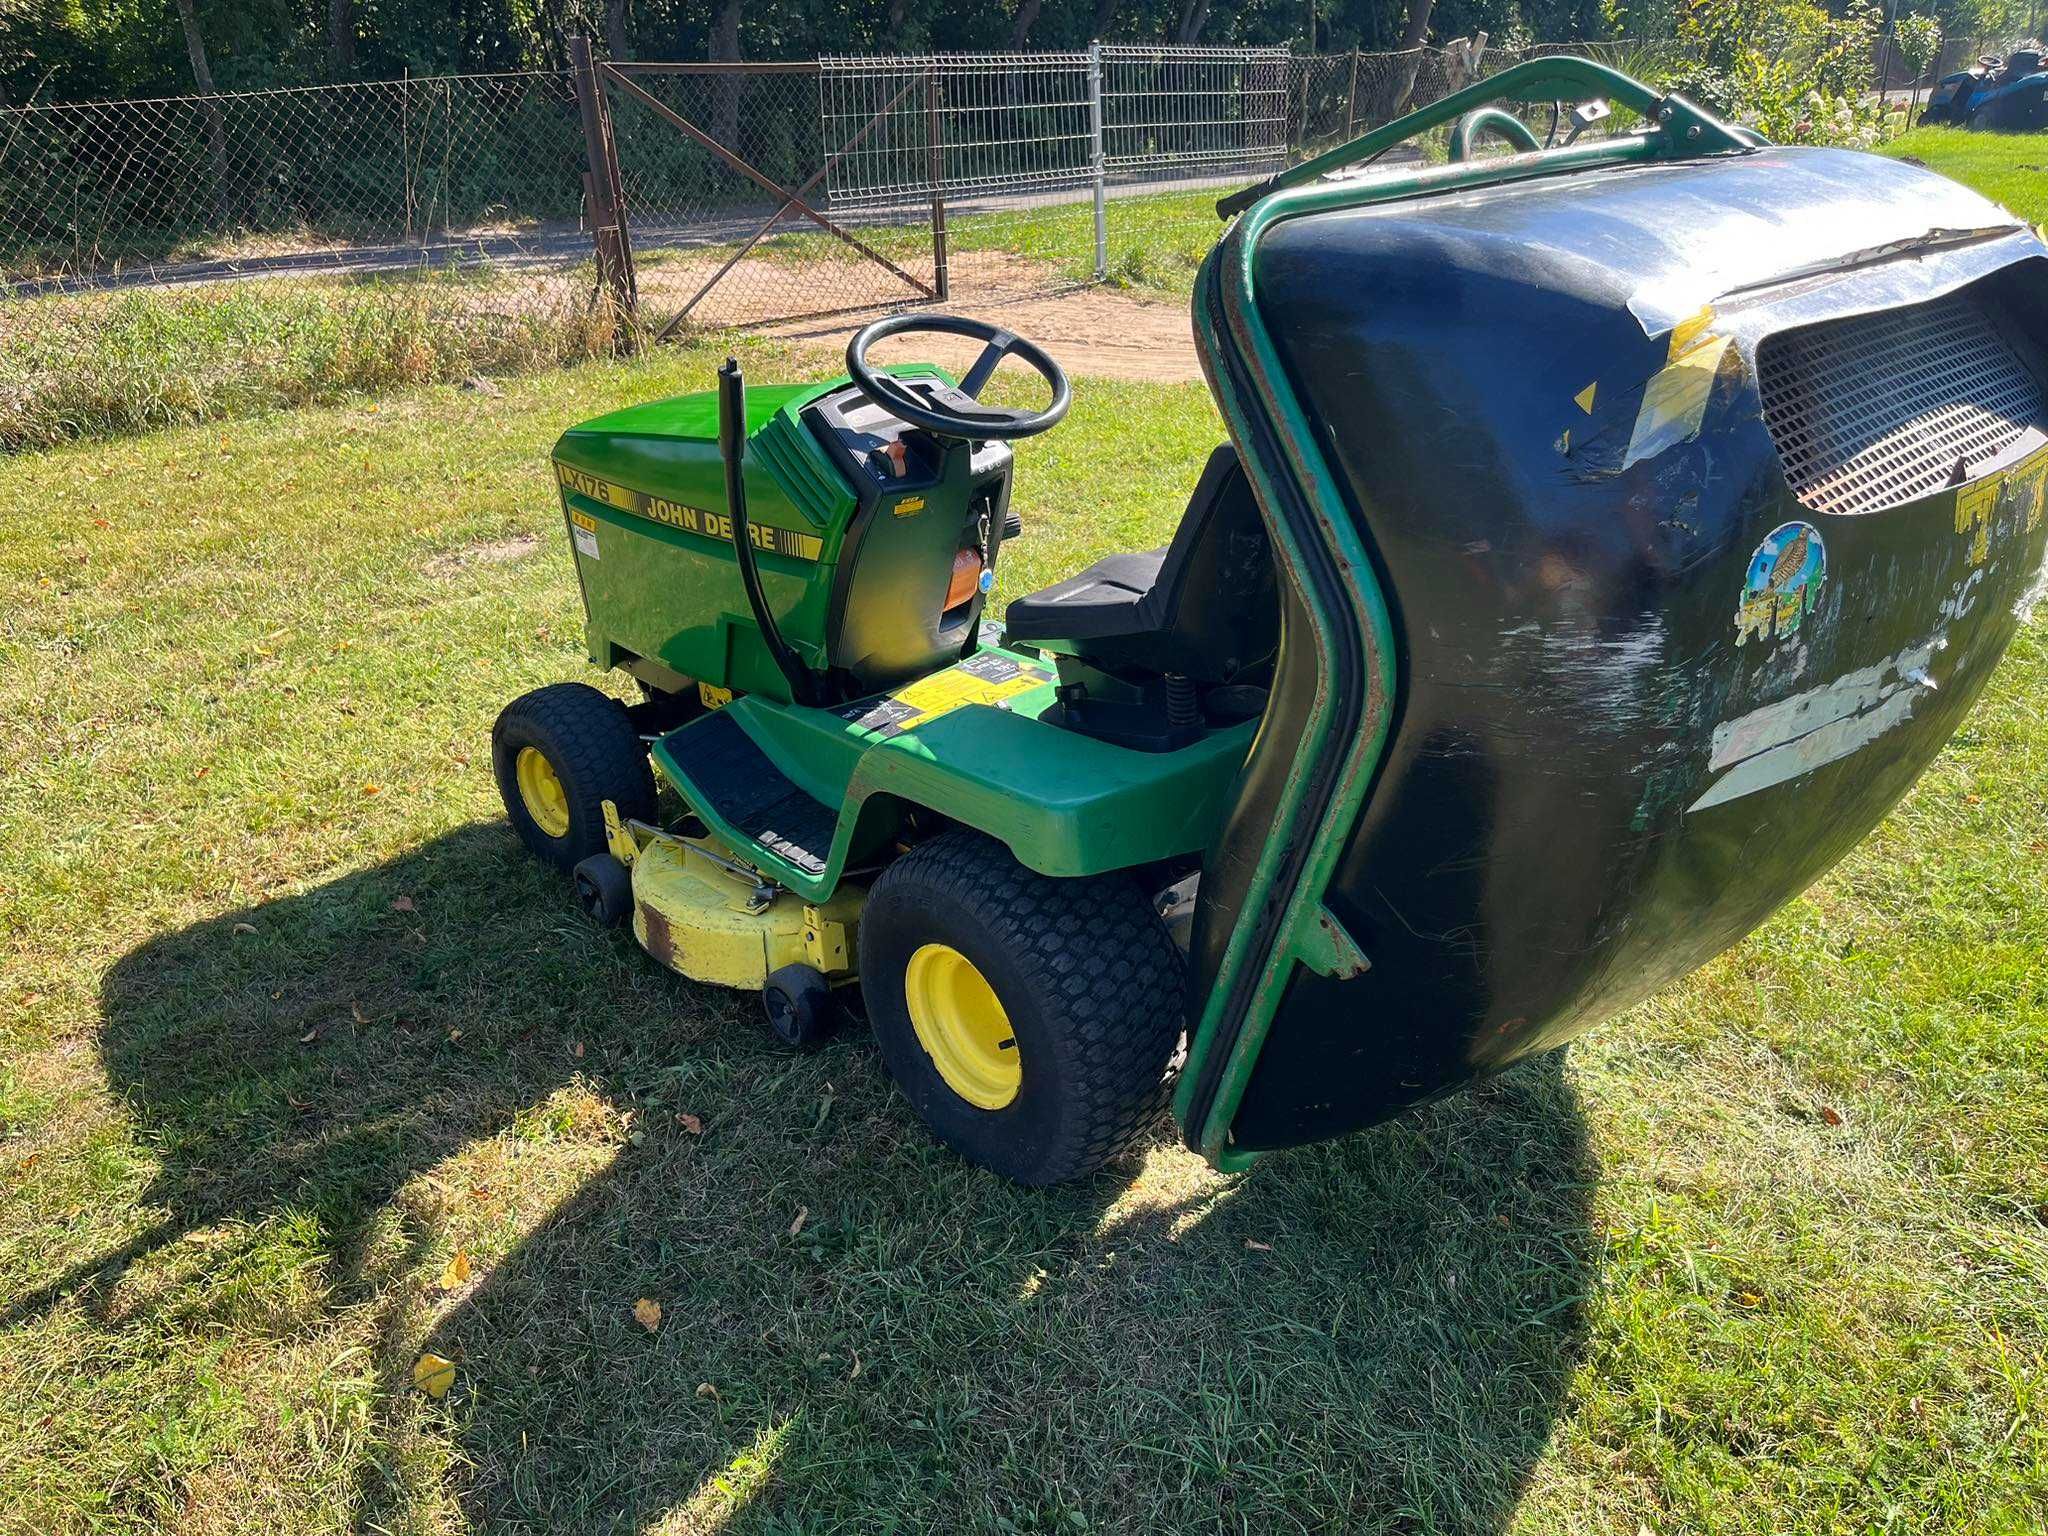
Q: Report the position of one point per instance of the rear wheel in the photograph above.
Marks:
(1030, 1021)
(558, 754)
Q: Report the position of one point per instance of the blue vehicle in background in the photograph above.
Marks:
(2009, 94)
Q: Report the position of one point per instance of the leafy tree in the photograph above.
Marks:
(1917, 42)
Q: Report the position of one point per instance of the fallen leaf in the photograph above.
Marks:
(402, 904)
(356, 1011)
(1830, 1115)
(850, 1375)
(1256, 1246)
(457, 1272)
(647, 1313)
(690, 1123)
(202, 771)
(454, 1035)
(705, 1389)
(373, 789)
(310, 1035)
(244, 928)
(576, 1050)
(803, 1214)
(434, 1375)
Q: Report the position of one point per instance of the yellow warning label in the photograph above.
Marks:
(2030, 484)
(1974, 504)
(988, 678)
(711, 696)
(676, 514)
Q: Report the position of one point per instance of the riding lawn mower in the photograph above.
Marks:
(1607, 535)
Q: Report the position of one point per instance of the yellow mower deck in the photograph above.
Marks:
(702, 914)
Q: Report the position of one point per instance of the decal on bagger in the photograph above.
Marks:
(675, 514)
(1783, 583)
(1794, 736)
(1977, 505)
(985, 679)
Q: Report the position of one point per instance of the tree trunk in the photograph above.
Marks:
(341, 37)
(1104, 20)
(893, 39)
(1193, 15)
(615, 29)
(1401, 83)
(725, 89)
(1026, 19)
(216, 131)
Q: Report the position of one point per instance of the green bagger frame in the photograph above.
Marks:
(1607, 536)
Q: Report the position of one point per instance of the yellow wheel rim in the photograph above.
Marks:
(961, 1024)
(540, 791)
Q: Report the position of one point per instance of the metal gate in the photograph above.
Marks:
(746, 194)
(704, 197)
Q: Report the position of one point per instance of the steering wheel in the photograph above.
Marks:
(955, 412)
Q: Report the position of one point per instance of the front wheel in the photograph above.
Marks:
(559, 753)
(1029, 1021)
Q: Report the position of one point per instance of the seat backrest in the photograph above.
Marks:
(1214, 611)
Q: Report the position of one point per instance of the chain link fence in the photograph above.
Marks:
(180, 259)
(187, 258)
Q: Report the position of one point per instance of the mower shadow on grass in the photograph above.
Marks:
(1378, 1332)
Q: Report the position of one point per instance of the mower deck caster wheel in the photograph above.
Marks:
(799, 1006)
(605, 887)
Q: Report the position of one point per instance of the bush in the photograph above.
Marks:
(1785, 67)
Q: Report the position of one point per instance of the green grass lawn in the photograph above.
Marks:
(2010, 167)
(288, 1023)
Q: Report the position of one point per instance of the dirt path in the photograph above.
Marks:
(1093, 332)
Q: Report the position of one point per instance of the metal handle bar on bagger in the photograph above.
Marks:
(1679, 129)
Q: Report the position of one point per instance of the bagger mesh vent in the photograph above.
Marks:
(1875, 410)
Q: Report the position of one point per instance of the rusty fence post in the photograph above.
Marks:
(603, 190)
(937, 147)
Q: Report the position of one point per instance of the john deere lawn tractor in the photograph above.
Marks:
(1608, 534)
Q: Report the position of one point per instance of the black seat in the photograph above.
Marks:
(1204, 607)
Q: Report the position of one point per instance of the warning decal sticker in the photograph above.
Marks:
(985, 679)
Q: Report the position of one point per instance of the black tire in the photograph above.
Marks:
(799, 1007)
(589, 742)
(1086, 974)
(605, 887)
